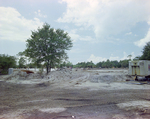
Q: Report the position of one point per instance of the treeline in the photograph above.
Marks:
(113, 64)
(7, 62)
(103, 64)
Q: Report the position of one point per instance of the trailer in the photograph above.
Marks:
(140, 69)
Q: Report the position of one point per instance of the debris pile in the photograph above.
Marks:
(22, 75)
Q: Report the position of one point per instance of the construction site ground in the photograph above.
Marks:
(76, 93)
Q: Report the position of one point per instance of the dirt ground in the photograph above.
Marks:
(78, 94)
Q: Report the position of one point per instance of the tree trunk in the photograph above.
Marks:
(47, 69)
(50, 66)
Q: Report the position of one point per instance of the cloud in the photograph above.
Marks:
(13, 26)
(96, 59)
(125, 55)
(142, 42)
(106, 17)
(112, 58)
(76, 51)
(39, 14)
(128, 33)
(76, 37)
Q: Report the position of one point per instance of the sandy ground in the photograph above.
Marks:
(79, 94)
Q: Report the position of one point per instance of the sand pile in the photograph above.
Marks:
(73, 78)
(15, 75)
(20, 75)
(65, 75)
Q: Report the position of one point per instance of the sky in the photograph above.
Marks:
(99, 29)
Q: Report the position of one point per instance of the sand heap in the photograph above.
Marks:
(67, 77)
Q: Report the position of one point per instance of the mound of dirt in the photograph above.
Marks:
(22, 75)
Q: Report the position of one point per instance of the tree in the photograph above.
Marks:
(48, 45)
(115, 64)
(90, 64)
(136, 58)
(21, 62)
(129, 56)
(146, 52)
(66, 64)
(124, 63)
(99, 65)
(6, 62)
(31, 65)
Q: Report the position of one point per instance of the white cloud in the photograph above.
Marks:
(13, 26)
(125, 55)
(112, 58)
(133, 55)
(76, 51)
(107, 17)
(39, 14)
(142, 42)
(96, 59)
(128, 33)
(75, 37)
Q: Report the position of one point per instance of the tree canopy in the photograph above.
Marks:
(48, 45)
(146, 52)
(104, 64)
(6, 62)
(21, 62)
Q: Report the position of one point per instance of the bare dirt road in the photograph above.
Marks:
(92, 94)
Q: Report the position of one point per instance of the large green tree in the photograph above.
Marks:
(48, 45)
(146, 52)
